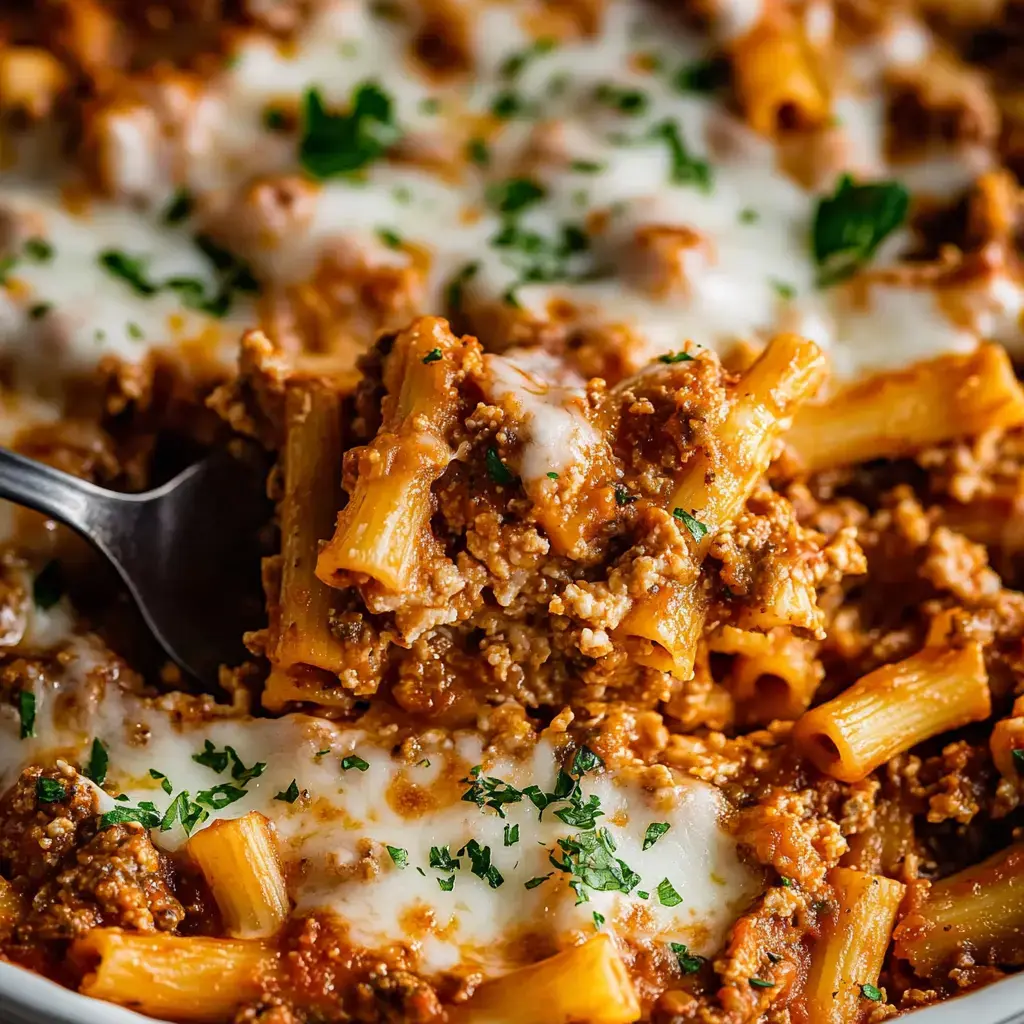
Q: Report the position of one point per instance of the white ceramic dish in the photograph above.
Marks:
(26, 998)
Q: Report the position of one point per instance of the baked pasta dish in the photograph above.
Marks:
(643, 639)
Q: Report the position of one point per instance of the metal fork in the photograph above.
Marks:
(186, 550)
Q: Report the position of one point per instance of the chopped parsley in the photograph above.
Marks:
(131, 269)
(96, 767)
(643, 894)
(147, 817)
(431, 357)
(586, 167)
(598, 920)
(50, 791)
(698, 531)
(497, 470)
(27, 713)
(702, 76)
(685, 169)
(667, 895)
(871, 992)
(589, 858)
(486, 791)
(539, 880)
(551, 476)
(447, 884)
(135, 332)
(179, 208)
(398, 855)
(289, 795)
(654, 832)
(585, 760)
(165, 783)
(218, 760)
(515, 195)
(211, 757)
(38, 250)
(852, 223)
(688, 962)
(441, 859)
(511, 835)
(39, 310)
(182, 809)
(48, 586)
(275, 119)
(480, 863)
(748, 215)
(219, 797)
(478, 152)
(390, 238)
(675, 357)
(337, 144)
(783, 289)
(786, 883)
(622, 495)
(513, 66)
(760, 983)
(632, 102)
(354, 761)
(508, 104)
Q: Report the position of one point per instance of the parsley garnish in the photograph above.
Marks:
(398, 855)
(698, 531)
(27, 713)
(598, 920)
(48, 586)
(497, 470)
(131, 269)
(179, 208)
(784, 290)
(786, 883)
(218, 760)
(539, 880)
(432, 356)
(390, 238)
(354, 761)
(748, 215)
(871, 992)
(586, 167)
(39, 250)
(552, 476)
(515, 195)
(632, 102)
(508, 104)
(182, 809)
(622, 495)
(335, 144)
(478, 152)
(667, 895)
(654, 832)
(702, 76)
(218, 797)
(291, 794)
(760, 983)
(165, 783)
(147, 817)
(511, 835)
(512, 66)
(688, 962)
(850, 225)
(685, 168)
(675, 357)
(480, 863)
(96, 767)
(447, 884)
(211, 757)
(39, 310)
(50, 791)
(643, 894)
(441, 858)
(589, 857)
(485, 791)
(275, 119)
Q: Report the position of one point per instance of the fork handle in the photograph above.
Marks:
(83, 506)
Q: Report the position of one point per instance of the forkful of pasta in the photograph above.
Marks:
(186, 550)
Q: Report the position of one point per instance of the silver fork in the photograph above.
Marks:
(186, 550)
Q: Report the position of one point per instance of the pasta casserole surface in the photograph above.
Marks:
(643, 634)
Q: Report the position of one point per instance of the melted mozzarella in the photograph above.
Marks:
(334, 837)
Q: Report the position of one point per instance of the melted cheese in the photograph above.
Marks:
(334, 837)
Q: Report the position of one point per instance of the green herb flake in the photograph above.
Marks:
(289, 795)
(852, 223)
(871, 992)
(515, 195)
(622, 495)
(598, 920)
(27, 713)
(513, 66)
(552, 476)
(48, 586)
(210, 757)
(684, 168)
(632, 102)
(179, 208)
(698, 531)
(390, 238)
(480, 863)
(586, 167)
(667, 895)
(433, 356)
(486, 791)
(219, 797)
(783, 289)
(688, 962)
(654, 832)
(135, 332)
(447, 884)
(539, 880)
(760, 983)
(675, 357)
(354, 761)
(584, 761)
(50, 791)
(441, 858)
(182, 809)
(121, 815)
(39, 310)
(398, 855)
(38, 250)
(589, 858)
(132, 270)
(508, 104)
(511, 835)
(96, 767)
(748, 215)
(643, 894)
(275, 119)
(478, 152)
(497, 470)
(786, 883)
(165, 783)
(702, 76)
(338, 144)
